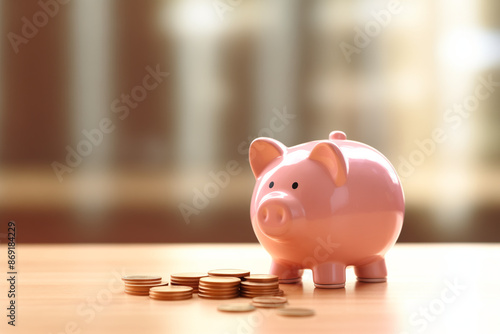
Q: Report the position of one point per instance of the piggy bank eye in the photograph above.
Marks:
(295, 185)
(271, 184)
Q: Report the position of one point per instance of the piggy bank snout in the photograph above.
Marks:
(274, 216)
(274, 212)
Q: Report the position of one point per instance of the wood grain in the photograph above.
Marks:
(432, 288)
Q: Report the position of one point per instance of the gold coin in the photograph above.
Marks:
(185, 284)
(176, 294)
(171, 293)
(189, 296)
(220, 280)
(259, 288)
(171, 289)
(276, 293)
(133, 285)
(219, 288)
(230, 288)
(189, 276)
(196, 281)
(261, 278)
(263, 294)
(258, 294)
(280, 293)
(218, 293)
(195, 289)
(144, 284)
(229, 272)
(268, 305)
(137, 290)
(295, 312)
(240, 307)
(270, 300)
(141, 278)
(170, 296)
(259, 285)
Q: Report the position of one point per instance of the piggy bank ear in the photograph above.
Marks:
(262, 152)
(329, 156)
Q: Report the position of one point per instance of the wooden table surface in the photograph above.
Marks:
(432, 288)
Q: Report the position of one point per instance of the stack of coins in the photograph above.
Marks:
(240, 273)
(269, 302)
(171, 292)
(260, 285)
(187, 279)
(219, 287)
(139, 285)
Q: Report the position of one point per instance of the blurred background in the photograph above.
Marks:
(99, 144)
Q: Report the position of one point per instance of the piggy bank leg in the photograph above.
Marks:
(287, 273)
(329, 275)
(375, 272)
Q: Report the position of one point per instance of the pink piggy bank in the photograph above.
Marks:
(325, 205)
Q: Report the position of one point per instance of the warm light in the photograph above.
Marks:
(470, 49)
(193, 17)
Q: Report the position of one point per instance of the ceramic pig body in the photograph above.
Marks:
(325, 205)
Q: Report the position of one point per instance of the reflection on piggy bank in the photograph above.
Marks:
(325, 205)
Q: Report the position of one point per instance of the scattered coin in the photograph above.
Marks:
(269, 302)
(229, 272)
(295, 312)
(268, 305)
(240, 307)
